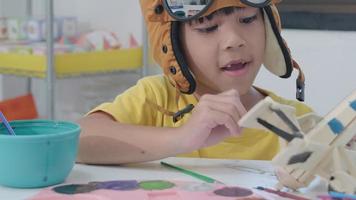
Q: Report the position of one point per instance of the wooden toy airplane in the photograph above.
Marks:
(317, 146)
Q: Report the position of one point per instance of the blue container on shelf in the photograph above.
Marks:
(42, 153)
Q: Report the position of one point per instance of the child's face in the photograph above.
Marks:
(225, 51)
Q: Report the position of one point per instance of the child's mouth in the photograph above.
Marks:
(235, 68)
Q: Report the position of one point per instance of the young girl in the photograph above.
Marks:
(211, 54)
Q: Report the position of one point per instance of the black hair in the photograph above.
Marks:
(226, 11)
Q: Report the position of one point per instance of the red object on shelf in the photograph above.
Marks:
(22, 107)
(133, 42)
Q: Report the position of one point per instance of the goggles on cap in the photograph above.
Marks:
(184, 10)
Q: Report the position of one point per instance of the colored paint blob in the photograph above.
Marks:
(353, 105)
(233, 192)
(161, 195)
(156, 185)
(74, 189)
(197, 187)
(336, 126)
(118, 185)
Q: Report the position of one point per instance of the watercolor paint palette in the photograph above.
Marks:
(149, 190)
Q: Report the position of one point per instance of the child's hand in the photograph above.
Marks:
(287, 180)
(214, 118)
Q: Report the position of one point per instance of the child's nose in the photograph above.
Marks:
(231, 38)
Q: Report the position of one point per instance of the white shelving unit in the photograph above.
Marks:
(52, 66)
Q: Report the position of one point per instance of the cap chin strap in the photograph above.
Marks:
(300, 82)
(175, 115)
(180, 57)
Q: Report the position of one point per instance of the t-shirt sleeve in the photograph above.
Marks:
(131, 106)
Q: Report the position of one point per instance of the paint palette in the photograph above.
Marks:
(148, 190)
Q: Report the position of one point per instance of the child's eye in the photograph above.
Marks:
(248, 20)
(208, 29)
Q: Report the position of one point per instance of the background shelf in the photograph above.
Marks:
(72, 64)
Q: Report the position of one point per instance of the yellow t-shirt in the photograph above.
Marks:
(131, 107)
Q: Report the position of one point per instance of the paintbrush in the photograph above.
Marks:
(7, 125)
(191, 173)
(282, 194)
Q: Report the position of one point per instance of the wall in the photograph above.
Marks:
(327, 58)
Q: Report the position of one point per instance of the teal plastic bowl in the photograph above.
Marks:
(42, 153)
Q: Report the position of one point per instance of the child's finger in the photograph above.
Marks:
(217, 134)
(225, 119)
(230, 100)
(227, 108)
(237, 101)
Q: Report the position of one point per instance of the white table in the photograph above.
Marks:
(231, 172)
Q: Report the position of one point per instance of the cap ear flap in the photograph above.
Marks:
(277, 55)
(165, 45)
(154, 11)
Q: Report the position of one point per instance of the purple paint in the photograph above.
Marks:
(118, 185)
(233, 192)
(74, 189)
(92, 186)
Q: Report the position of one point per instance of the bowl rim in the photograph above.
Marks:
(73, 130)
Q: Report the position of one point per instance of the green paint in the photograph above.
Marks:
(156, 185)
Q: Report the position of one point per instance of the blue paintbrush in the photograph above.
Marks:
(7, 125)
